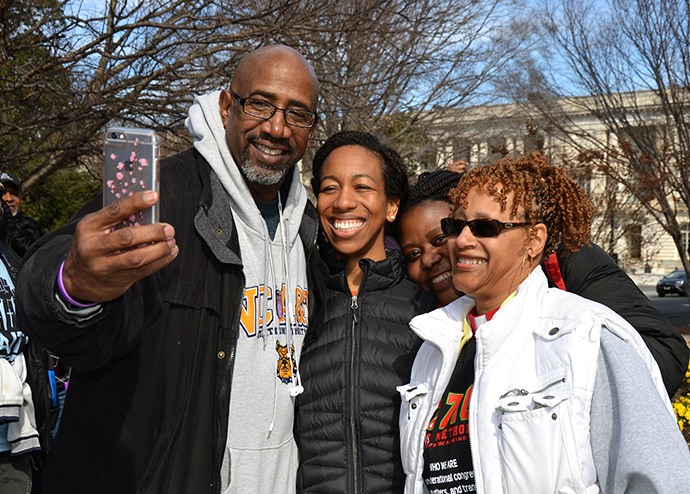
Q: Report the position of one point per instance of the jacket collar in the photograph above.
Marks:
(206, 197)
(447, 327)
(309, 225)
(495, 336)
(378, 275)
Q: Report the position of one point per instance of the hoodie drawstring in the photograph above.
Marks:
(290, 315)
(268, 258)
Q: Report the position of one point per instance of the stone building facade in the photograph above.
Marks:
(483, 134)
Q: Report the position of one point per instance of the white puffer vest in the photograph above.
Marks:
(535, 368)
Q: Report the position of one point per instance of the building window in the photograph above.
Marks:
(492, 149)
(462, 149)
(533, 143)
(685, 237)
(498, 148)
(635, 239)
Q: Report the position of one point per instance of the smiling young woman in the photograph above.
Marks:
(346, 420)
(354, 208)
(423, 244)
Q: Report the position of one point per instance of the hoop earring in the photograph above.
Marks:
(531, 260)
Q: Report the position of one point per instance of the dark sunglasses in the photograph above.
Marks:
(479, 227)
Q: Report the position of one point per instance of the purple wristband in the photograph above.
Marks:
(63, 292)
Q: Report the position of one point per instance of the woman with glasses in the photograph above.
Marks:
(590, 272)
(524, 388)
(346, 420)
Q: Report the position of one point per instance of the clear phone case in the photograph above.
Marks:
(131, 166)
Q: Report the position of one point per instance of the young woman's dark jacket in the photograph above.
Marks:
(346, 421)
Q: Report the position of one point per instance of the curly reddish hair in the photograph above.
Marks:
(545, 193)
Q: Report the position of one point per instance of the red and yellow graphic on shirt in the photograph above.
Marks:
(449, 430)
(252, 315)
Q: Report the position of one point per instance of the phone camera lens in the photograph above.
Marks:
(113, 135)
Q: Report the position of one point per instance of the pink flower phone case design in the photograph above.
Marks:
(131, 166)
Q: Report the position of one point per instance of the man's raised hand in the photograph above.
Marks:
(104, 263)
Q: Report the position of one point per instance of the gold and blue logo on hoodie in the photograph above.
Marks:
(285, 362)
(258, 321)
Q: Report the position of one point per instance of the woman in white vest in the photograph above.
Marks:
(521, 388)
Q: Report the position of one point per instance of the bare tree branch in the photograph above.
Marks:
(627, 66)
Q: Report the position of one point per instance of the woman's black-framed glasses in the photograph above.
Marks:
(479, 227)
(263, 109)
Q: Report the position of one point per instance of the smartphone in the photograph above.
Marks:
(131, 165)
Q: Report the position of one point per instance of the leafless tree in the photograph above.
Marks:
(137, 63)
(383, 66)
(625, 63)
(396, 68)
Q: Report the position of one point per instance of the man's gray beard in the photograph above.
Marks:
(254, 174)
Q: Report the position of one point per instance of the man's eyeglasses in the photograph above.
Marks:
(480, 227)
(263, 109)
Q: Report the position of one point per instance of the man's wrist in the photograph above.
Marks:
(66, 297)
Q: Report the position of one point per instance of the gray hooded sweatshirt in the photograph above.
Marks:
(260, 454)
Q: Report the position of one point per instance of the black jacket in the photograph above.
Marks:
(20, 232)
(147, 407)
(346, 421)
(591, 273)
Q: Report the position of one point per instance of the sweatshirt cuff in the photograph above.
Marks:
(9, 413)
(25, 445)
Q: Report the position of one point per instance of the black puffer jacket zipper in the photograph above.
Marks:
(352, 409)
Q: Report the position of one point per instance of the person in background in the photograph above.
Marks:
(25, 392)
(19, 232)
(550, 392)
(184, 336)
(12, 193)
(589, 272)
(346, 420)
(22, 231)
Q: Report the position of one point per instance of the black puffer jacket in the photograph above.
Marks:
(346, 421)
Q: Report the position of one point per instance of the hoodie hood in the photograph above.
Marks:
(206, 127)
